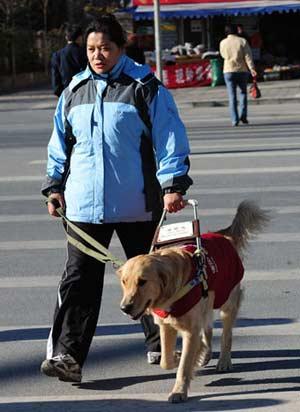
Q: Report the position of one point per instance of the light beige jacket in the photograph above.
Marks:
(237, 54)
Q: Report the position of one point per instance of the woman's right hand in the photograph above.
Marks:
(61, 200)
(253, 73)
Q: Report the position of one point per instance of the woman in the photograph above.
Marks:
(238, 61)
(116, 114)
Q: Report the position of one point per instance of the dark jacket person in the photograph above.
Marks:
(67, 62)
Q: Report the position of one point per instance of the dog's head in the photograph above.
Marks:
(149, 280)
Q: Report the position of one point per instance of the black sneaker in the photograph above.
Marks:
(63, 367)
(244, 121)
(153, 358)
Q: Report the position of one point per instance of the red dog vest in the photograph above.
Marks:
(224, 270)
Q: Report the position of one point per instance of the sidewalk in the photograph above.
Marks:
(273, 92)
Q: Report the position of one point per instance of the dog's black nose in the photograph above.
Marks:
(126, 308)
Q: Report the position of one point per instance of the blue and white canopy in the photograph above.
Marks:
(224, 8)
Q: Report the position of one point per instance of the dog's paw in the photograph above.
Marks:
(224, 364)
(204, 358)
(177, 397)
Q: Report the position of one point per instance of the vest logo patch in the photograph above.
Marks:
(212, 264)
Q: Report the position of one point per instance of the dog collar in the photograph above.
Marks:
(188, 296)
(184, 304)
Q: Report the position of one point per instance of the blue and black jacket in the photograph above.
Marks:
(128, 145)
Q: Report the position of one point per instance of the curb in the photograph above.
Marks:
(224, 103)
(41, 103)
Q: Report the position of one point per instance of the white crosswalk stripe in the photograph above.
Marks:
(111, 278)
(203, 212)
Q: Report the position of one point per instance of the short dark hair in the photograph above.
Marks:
(109, 25)
(73, 31)
(230, 29)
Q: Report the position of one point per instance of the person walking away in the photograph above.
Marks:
(70, 60)
(238, 61)
(129, 160)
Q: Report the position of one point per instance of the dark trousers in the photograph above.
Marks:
(80, 290)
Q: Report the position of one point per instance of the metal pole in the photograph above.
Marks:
(209, 40)
(181, 31)
(157, 39)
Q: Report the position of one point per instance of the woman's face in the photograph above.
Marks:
(102, 53)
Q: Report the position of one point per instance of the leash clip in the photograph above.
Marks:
(200, 257)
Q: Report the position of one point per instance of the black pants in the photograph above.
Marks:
(80, 290)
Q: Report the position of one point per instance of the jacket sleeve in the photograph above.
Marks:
(248, 56)
(57, 155)
(170, 143)
(56, 80)
(221, 49)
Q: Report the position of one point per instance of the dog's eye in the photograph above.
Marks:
(141, 282)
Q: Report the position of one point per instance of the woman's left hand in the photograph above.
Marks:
(173, 202)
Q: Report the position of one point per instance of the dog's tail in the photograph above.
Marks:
(249, 220)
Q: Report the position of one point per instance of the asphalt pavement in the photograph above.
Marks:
(285, 399)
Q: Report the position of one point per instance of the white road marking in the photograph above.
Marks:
(112, 279)
(201, 131)
(227, 153)
(197, 172)
(33, 245)
(21, 198)
(202, 212)
(8, 179)
(26, 218)
(38, 162)
(244, 170)
(192, 190)
(231, 211)
(235, 190)
(41, 244)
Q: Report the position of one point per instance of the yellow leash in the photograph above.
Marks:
(103, 254)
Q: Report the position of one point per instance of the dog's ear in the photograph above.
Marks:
(163, 278)
(165, 264)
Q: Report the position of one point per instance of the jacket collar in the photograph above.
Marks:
(89, 73)
(113, 74)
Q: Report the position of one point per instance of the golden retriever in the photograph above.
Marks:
(151, 281)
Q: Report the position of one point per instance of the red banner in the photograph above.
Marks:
(187, 74)
(150, 2)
